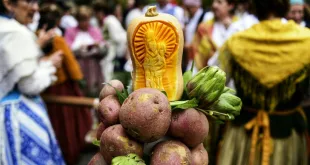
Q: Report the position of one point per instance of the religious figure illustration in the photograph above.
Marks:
(154, 62)
(156, 57)
(161, 63)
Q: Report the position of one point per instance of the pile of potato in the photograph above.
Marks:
(146, 126)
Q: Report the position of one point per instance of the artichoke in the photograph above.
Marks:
(229, 90)
(227, 103)
(215, 100)
(130, 159)
(207, 85)
(193, 83)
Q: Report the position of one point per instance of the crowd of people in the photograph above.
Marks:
(61, 49)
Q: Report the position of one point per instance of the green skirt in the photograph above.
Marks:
(235, 149)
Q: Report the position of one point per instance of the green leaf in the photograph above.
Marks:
(96, 143)
(188, 75)
(175, 103)
(147, 159)
(125, 91)
(129, 89)
(218, 116)
(130, 159)
(184, 104)
(219, 122)
(192, 67)
(165, 93)
(121, 95)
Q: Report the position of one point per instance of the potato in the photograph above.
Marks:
(100, 129)
(115, 142)
(199, 155)
(108, 110)
(148, 147)
(146, 115)
(190, 126)
(108, 90)
(97, 160)
(171, 153)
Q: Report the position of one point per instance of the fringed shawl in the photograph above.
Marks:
(270, 60)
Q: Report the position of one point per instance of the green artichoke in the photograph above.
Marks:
(227, 103)
(207, 85)
(229, 90)
(193, 83)
(130, 159)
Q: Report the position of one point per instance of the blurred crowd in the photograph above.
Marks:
(61, 49)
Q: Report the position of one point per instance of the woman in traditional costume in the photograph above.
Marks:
(246, 18)
(298, 13)
(115, 36)
(269, 64)
(26, 134)
(71, 123)
(211, 34)
(86, 42)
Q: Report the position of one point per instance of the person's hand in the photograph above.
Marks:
(56, 58)
(96, 44)
(83, 48)
(201, 31)
(94, 50)
(44, 36)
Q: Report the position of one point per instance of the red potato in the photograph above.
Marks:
(100, 129)
(190, 126)
(115, 142)
(97, 160)
(171, 153)
(146, 115)
(199, 155)
(108, 90)
(148, 147)
(108, 110)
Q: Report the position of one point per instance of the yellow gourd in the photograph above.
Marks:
(155, 42)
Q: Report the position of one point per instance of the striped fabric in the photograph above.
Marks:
(26, 135)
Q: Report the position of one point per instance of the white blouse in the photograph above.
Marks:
(82, 38)
(19, 54)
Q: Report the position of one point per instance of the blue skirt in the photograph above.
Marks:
(26, 135)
